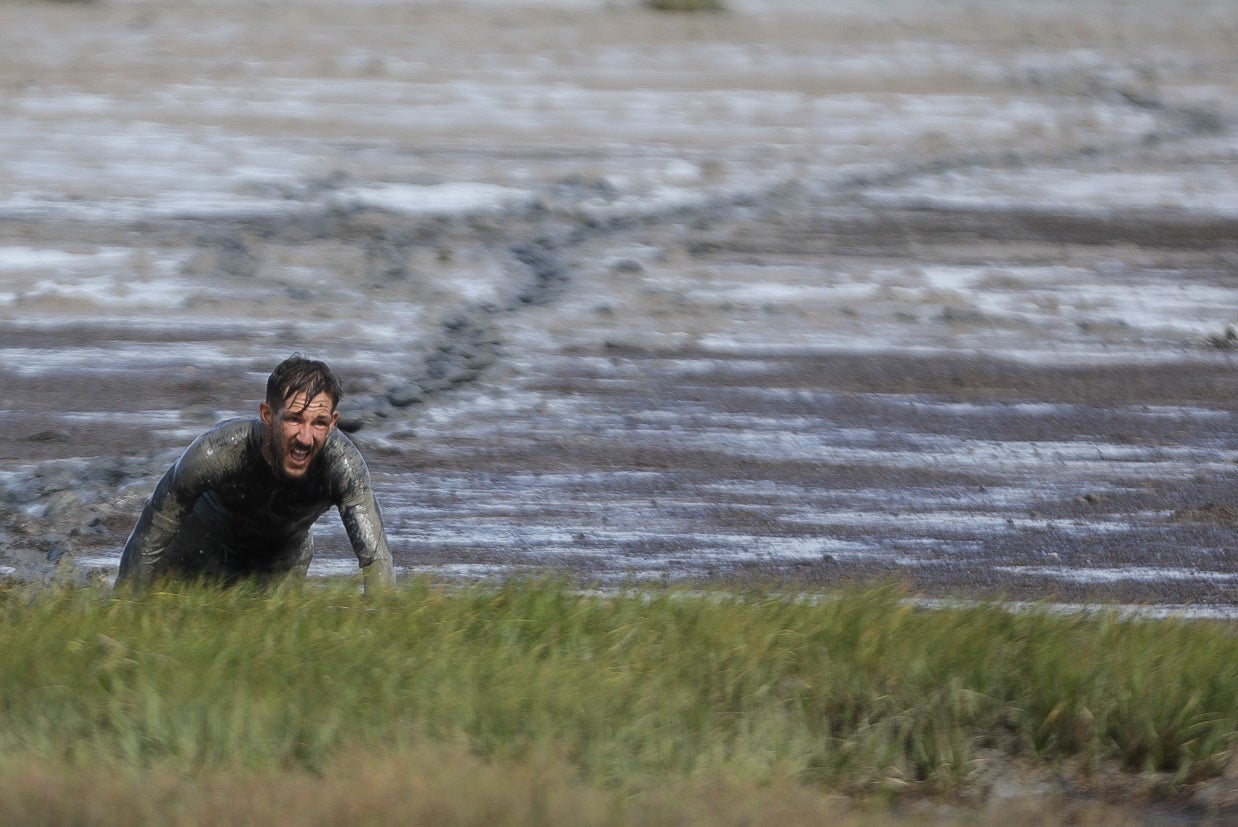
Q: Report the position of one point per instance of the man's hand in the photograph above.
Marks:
(377, 575)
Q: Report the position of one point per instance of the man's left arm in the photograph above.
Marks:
(363, 520)
(364, 523)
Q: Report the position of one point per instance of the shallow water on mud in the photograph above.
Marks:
(785, 293)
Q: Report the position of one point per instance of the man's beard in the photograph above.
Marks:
(280, 453)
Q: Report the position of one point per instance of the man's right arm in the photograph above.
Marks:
(175, 494)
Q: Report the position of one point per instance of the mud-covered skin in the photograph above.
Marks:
(221, 512)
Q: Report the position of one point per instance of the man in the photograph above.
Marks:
(242, 498)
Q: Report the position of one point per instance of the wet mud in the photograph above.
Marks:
(680, 360)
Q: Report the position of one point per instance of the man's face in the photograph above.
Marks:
(296, 432)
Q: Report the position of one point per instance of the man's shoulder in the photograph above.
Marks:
(223, 450)
(338, 448)
(237, 432)
(230, 441)
(343, 462)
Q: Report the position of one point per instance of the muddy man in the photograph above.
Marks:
(241, 500)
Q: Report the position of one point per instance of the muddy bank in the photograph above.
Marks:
(629, 450)
(951, 304)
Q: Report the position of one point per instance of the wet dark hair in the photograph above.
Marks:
(296, 374)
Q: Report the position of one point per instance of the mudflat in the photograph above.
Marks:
(786, 293)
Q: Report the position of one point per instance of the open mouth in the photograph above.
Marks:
(299, 455)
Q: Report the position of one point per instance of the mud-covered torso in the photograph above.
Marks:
(249, 505)
(223, 509)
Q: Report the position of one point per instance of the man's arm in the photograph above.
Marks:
(377, 575)
(363, 520)
(156, 527)
(201, 464)
(364, 523)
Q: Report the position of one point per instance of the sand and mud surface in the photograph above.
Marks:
(812, 292)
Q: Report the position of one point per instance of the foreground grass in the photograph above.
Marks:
(531, 703)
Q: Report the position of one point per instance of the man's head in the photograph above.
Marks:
(299, 411)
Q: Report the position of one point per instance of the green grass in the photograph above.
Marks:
(592, 697)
